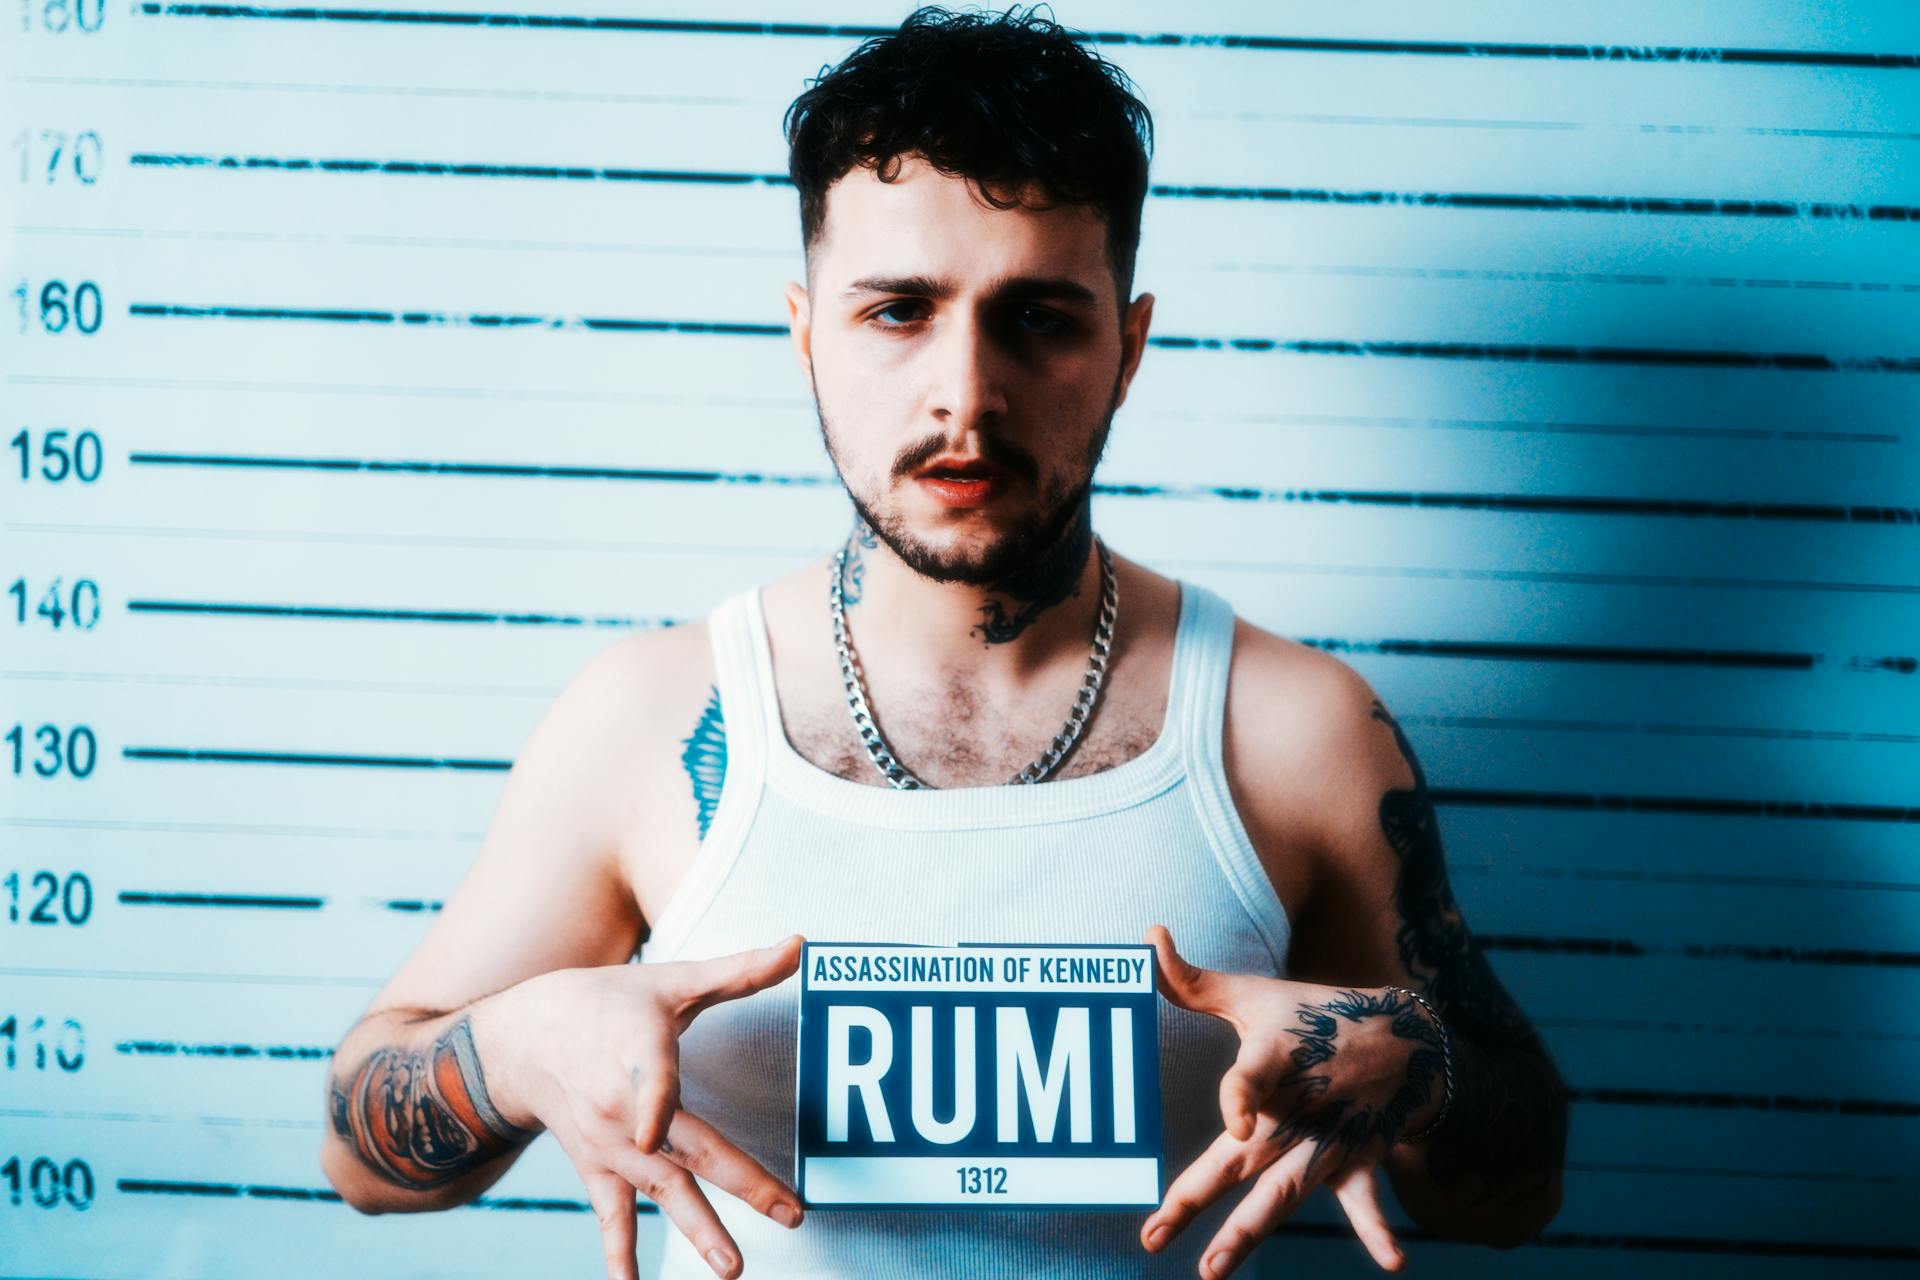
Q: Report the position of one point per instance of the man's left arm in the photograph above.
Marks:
(1337, 1071)
(1383, 913)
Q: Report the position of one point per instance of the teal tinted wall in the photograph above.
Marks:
(1556, 365)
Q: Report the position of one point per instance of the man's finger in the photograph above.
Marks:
(1277, 1193)
(1189, 985)
(703, 1151)
(700, 984)
(612, 1201)
(1224, 1165)
(1248, 1084)
(1359, 1195)
(656, 1096)
(673, 1189)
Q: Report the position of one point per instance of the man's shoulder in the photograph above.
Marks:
(652, 665)
(1307, 743)
(1320, 700)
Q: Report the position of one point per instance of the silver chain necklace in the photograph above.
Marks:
(896, 773)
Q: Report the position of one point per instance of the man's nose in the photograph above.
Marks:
(967, 374)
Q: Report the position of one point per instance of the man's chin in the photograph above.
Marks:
(973, 561)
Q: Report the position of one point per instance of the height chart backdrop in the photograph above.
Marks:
(366, 371)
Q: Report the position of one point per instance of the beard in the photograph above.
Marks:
(1064, 502)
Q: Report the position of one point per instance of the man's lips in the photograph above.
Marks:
(969, 484)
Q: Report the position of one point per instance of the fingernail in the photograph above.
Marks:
(786, 1215)
(1217, 1264)
(1157, 1237)
(720, 1260)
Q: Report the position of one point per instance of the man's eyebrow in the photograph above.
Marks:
(1055, 288)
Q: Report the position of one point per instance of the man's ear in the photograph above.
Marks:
(800, 325)
(1133, 342)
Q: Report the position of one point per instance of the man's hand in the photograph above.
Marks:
(594, 1056)
(1326, 1080)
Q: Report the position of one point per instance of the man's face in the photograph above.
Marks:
(966, 363)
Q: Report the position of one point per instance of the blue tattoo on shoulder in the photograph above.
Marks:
(705, 759)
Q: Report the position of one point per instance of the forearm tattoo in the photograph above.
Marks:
(1508, 1125)
(1341, 1127)
(420, 1118)
(1040, 585)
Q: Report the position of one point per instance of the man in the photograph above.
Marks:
(972, 722)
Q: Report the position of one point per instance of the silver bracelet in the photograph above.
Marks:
(1446, 1064)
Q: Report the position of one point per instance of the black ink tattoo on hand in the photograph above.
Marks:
(1340, 1127)
(420, 1118)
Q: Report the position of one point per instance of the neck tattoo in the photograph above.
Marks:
(1037, 587)
(897, 774)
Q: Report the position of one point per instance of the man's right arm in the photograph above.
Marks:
(519, 1012)
(413, 1124)
(414, 1119)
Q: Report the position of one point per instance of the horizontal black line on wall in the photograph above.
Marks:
(1627, 948)
(1704, 806)
(1496, 201)
(201, 608)
(1526, 943)
(1642, 875)
(1516, 651)
(1724, 1101)
(182, 1049)
(1715, 1171)
(318, 759)
(1560, 51)
(1337, 1231)
(1796, 1031)
(258, 1191)
(1662, 729)
(1441, 795)
(1494, 650)
(1718, 1100)
(257, 901)
(1509, 503)
(1731, 1246)
(1504, 352)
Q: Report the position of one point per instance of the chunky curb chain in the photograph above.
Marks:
(897, 774)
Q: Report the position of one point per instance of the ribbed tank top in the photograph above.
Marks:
(1089, 859)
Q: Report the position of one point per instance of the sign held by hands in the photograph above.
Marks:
(978, 1075)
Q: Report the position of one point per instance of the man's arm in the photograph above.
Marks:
(411, 1124)
(411, 1121)
(1382, 912)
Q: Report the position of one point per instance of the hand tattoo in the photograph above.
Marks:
(1508, 1124)
(1039, 586)
(1341, 1127)
(420, 1119)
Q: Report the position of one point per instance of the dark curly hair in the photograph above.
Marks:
(1001, 99)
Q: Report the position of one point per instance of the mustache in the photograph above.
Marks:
(1001, 452)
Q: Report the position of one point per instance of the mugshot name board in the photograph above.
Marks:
(978, 1075)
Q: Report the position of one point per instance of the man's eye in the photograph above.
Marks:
(1039, 320)
(895, 322)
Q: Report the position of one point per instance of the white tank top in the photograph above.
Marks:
(1096, 858)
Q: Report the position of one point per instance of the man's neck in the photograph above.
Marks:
(1009, 630)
